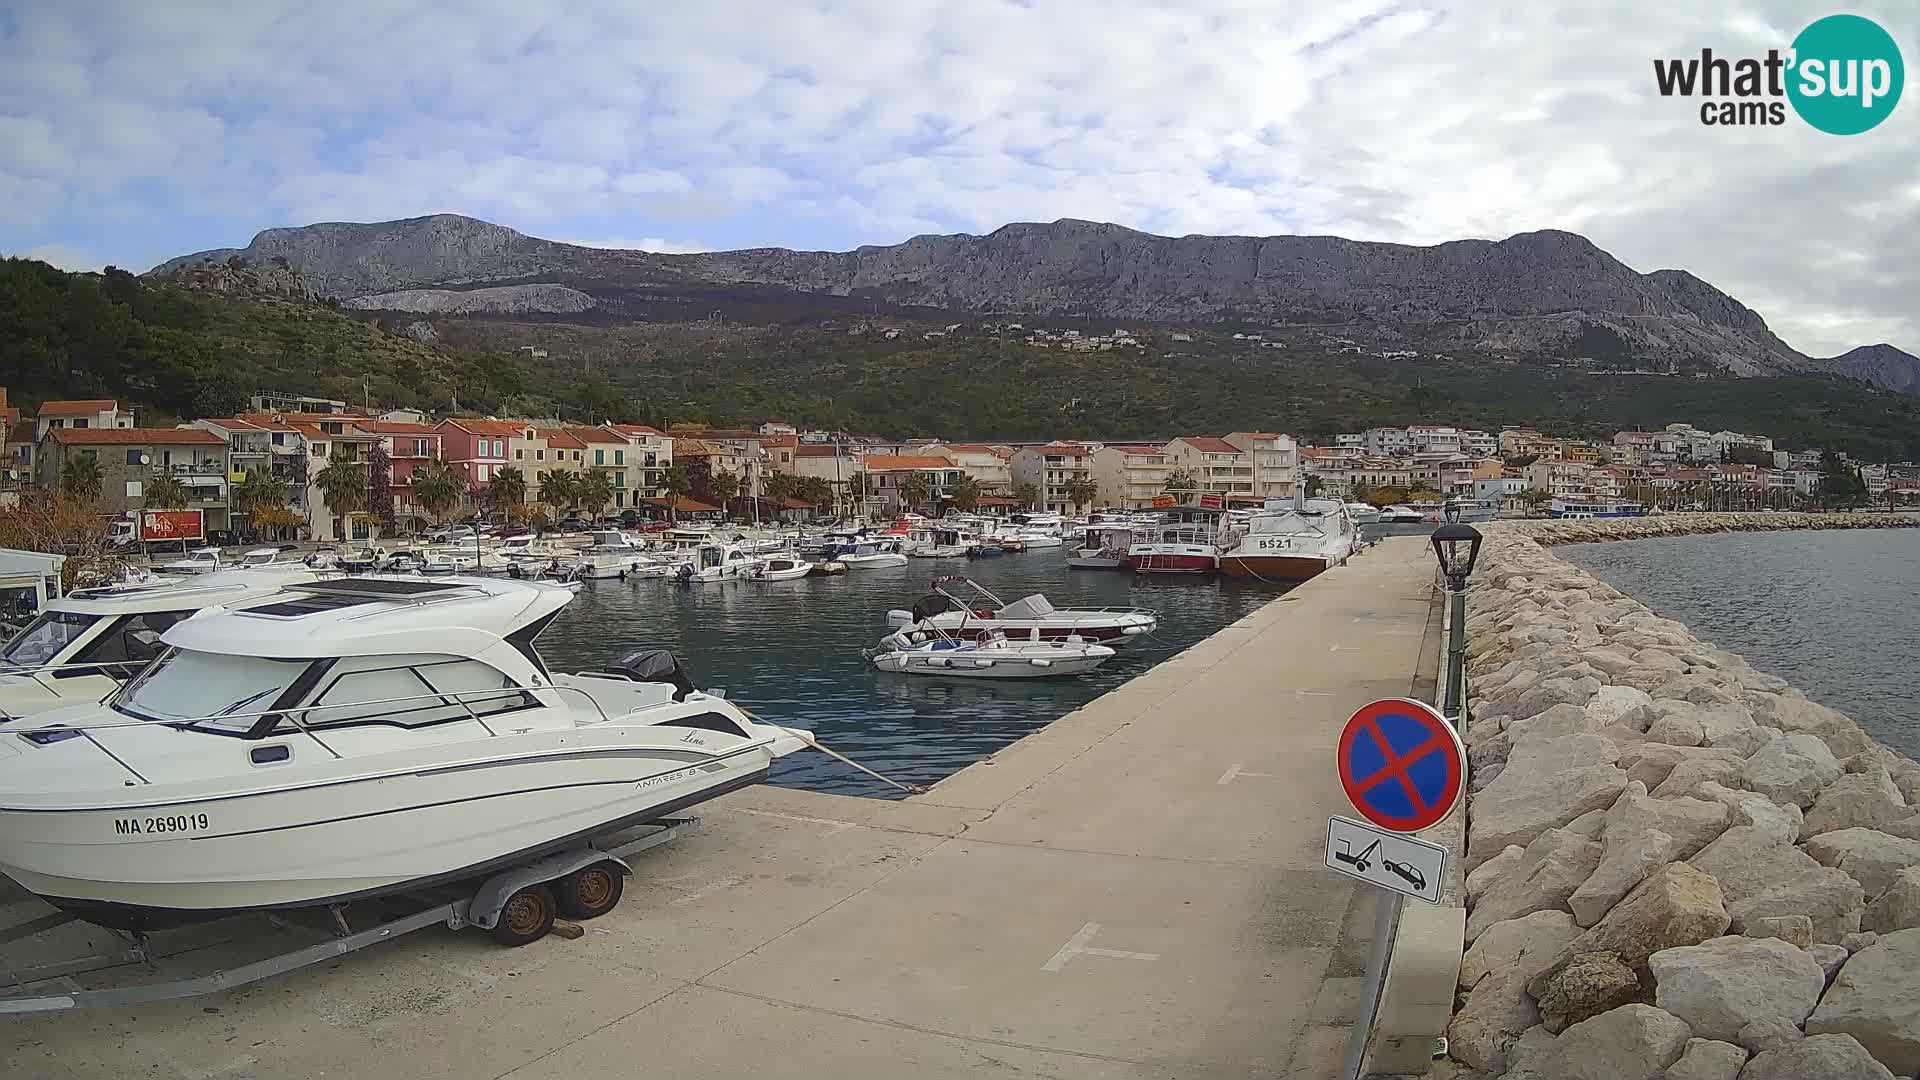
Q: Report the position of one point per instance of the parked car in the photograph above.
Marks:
(572, 523)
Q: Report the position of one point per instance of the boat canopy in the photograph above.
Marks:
(1035, 606)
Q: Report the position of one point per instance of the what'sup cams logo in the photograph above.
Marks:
(1843, 75)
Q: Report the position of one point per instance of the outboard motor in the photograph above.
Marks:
(654, 666)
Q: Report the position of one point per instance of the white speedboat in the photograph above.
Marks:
(354, 739)
(198, 561)
(85, 645)
(609, 555)
(366, 560)
(259, 558)
(992, 658)
(1399, 514)
(867, 555)
(1103, 547)
(1363, 513)
(780, 568)
(1290, 544)
(961, 607)
(715, 561)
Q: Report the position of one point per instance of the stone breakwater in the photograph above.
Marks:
(1678, 867)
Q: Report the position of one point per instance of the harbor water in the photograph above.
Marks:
(790, 651)
(1837, 614)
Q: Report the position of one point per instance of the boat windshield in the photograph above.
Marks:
(45, 638)
(224, 691)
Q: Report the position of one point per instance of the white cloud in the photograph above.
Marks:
(833, 124)
(65, 256)
(645, 243)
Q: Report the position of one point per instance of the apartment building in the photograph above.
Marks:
(478, 448)
(888, 474)
(129, 458)
(649, 454)
(327, 436)
(88, 414)
(1386, 441)
(1276, 462)
(1131, 476)
(1050, 468)
(1479, 443)
(408, 445)
(1525, 442)
(272, 447)
(1215, 465)
(982, 462)
(1561, 477)
(1434, 439)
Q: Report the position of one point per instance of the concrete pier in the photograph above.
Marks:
(1135, 891)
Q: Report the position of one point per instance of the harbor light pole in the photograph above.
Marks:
(1456, 546)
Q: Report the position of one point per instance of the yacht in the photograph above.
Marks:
(962, 607)
(1290, 544)
(84, 646)
(1187, 542)
(353, 739)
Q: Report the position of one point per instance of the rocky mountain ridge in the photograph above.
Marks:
(1531, 290)
(1882, 365)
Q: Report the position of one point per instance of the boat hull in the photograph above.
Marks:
(1092, 562)
(862, 562)
(1172, 562)
(1273, 567)
(194, 858)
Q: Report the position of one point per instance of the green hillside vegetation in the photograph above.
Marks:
(180, 353)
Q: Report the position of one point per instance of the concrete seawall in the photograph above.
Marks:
(1679, 866)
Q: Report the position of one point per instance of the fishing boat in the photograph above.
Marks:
(84, 645)
(870, 554)
(1187, 542)
(1286, 544)
(1104, 546)
(942, 542)
(994, 657)
(354, 739)
(963, 607)
(780, 568)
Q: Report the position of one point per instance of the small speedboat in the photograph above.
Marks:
(992, 658)
(1363, 513)
(715, 561)
(1399, 514)
(868, 555)
(364, 561)
(780, 568)
(198, 561)
(353, 739)
(610, 555)
(961, 607)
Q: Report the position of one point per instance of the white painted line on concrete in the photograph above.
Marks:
(1077, 946)
(1313, 693)
(707, 890)
(1234, 772)
(838, 826)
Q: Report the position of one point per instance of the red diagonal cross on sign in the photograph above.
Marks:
(1396, 764)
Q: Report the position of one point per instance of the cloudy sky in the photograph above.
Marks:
(132, 132)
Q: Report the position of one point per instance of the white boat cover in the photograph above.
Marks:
(1027, 607)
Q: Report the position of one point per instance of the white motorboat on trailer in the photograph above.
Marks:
(85, 645)
(962, 607)
(367, 736)
(994, 657)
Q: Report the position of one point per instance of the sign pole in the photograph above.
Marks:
(1386, 920)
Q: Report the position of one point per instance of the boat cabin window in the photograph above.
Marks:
(223, 692)
(45, 638)
(131, 640)
(361, 690)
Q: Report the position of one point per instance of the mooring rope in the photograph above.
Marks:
(814, 741)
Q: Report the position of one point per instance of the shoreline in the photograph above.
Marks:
(1665, 844)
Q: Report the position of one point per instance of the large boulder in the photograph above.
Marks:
(1868, 856)
(1858, 799)
(1554, 865)
(1829, 899)
(1750, 808)
(1632, 1042)
(1652, 763)
(1705, 1059)
(1693, 773)
(1510, 944)
(1615, 704)
(1677, 905)
(1721, 985)
(1791, 769)
(1876, 999)
(1484, 875)
(1546, 783)
(1762, 876)
(1822, 1057)
(1586, 986)
(1643, 834)
(1558, 721)
(1898, 908)
(1495, 1014)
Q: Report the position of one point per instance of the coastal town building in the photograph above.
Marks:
(93, 413)
(330, 437)
(408, 446)
(268, 401)
(984, 462)
(1214, 465)
(1051, 468)
(889, 474)
(1130, 476)
(129, 458)
(1276, 462)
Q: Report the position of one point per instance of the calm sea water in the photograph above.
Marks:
(791, 652)
(1836, 614)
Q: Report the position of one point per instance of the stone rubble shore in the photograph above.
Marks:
(1679, 867)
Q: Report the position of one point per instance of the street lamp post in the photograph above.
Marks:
(1457, 546)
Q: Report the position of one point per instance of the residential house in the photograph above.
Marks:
(272, 402)
(478, 448)
(984, 463)
(1276, 462)
(1480, 444)
(1131, 476)
(706, 459)
(94, 413)
(273, 447)
(836, 463)
(1502, 492)
(1386, 441)
(649, 454)
(130, 457)
(1050, 468)
(1216, 465)
(408, 446)
(1561, 477)
(888, 474)
(329, 436)
(739, 452)
(1434, 439)
(1526, 442)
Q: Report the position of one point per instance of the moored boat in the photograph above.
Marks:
(995, 657)
(1187, 542)
(1283, 544)
(961, 607)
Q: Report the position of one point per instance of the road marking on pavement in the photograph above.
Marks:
(1077, 946)
(838, 826)
(1234, 772)
(707, 890)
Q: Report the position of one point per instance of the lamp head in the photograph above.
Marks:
(1457, 546)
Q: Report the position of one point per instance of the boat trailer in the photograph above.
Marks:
(518, 906)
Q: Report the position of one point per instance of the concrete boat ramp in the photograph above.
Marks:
(1135, 891)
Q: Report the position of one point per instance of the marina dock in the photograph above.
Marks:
(1136, 890)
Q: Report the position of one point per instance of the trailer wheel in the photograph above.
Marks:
(527, 916)
(590, 891)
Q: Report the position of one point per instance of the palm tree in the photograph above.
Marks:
(163, 492)
(1027, 494)
(559, 488)
(675, 483)
(1081, 490)
(725, 486)
(595, 490)
(437, 486)
(262, 497)
(966, 493)
(343, 485)
(509, 488)
(915, 490)
(782, 486)
(1181, 480)
(81, 478)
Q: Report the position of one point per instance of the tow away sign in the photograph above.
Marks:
(1391, 860)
